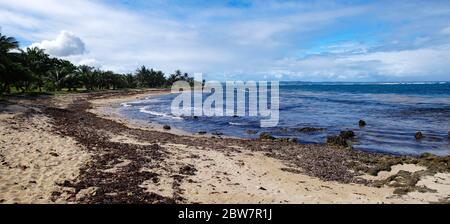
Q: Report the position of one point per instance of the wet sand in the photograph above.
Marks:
(76, 149)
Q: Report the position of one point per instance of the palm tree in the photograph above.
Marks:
(130, 81)
(58, 75)
(88, 77)
(39, 63)
(7, 44)
(7, 64)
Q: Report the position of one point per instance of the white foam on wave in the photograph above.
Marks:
(411, 83)
(125, 105)
(158, 114)
(236, 124)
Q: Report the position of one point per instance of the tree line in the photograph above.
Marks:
(34, 70)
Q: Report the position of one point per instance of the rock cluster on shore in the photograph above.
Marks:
(266, 136)
(341, 139)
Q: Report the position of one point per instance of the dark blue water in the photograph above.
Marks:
(394, 112)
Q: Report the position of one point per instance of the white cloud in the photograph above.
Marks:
(84, 60)
(65, 44)
(123, 39)
(409, 62)
(345, 66)
(226, 40)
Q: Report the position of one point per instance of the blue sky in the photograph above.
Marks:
(251, 40)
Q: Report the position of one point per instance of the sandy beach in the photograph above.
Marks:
(75, 148)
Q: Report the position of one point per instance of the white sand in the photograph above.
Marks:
(33, 160)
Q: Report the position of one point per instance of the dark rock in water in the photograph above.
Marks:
(448, 134)
(202, 132)
(362, 123)
(419, 135)
(217, 133)
(166, 127)
(341, 139)
(293, 140)
(347, 134)
(195, 117)
(309, 129)
(251, 132)
(337, 141)
(266, 136)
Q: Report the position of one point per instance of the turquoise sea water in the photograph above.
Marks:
(394, 112)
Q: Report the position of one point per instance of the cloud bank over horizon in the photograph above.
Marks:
(253, 40)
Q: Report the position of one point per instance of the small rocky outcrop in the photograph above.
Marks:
(166, 127)
(286, 140)
(419, 135)
(337, 141)
(341, 139)
(309, 129)
(266, 136)
(251, 132)
(347, 134)
(362, 123)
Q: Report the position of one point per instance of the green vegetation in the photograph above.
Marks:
(32, 71)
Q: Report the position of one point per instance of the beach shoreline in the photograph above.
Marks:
(146, 164)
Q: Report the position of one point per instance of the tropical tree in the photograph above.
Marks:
(9, 67)
(106, 80)
(22, 78)
(33, 68)
(73, 80)
(142, 76)
(59, 74)
(130, 81)
(87, 76)
(39, 63)
(150, 78)
(71, 75)
(179, 76)
(157, 78)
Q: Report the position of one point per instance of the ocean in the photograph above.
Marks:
(394, 112)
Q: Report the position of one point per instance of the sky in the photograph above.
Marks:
(327, 40)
